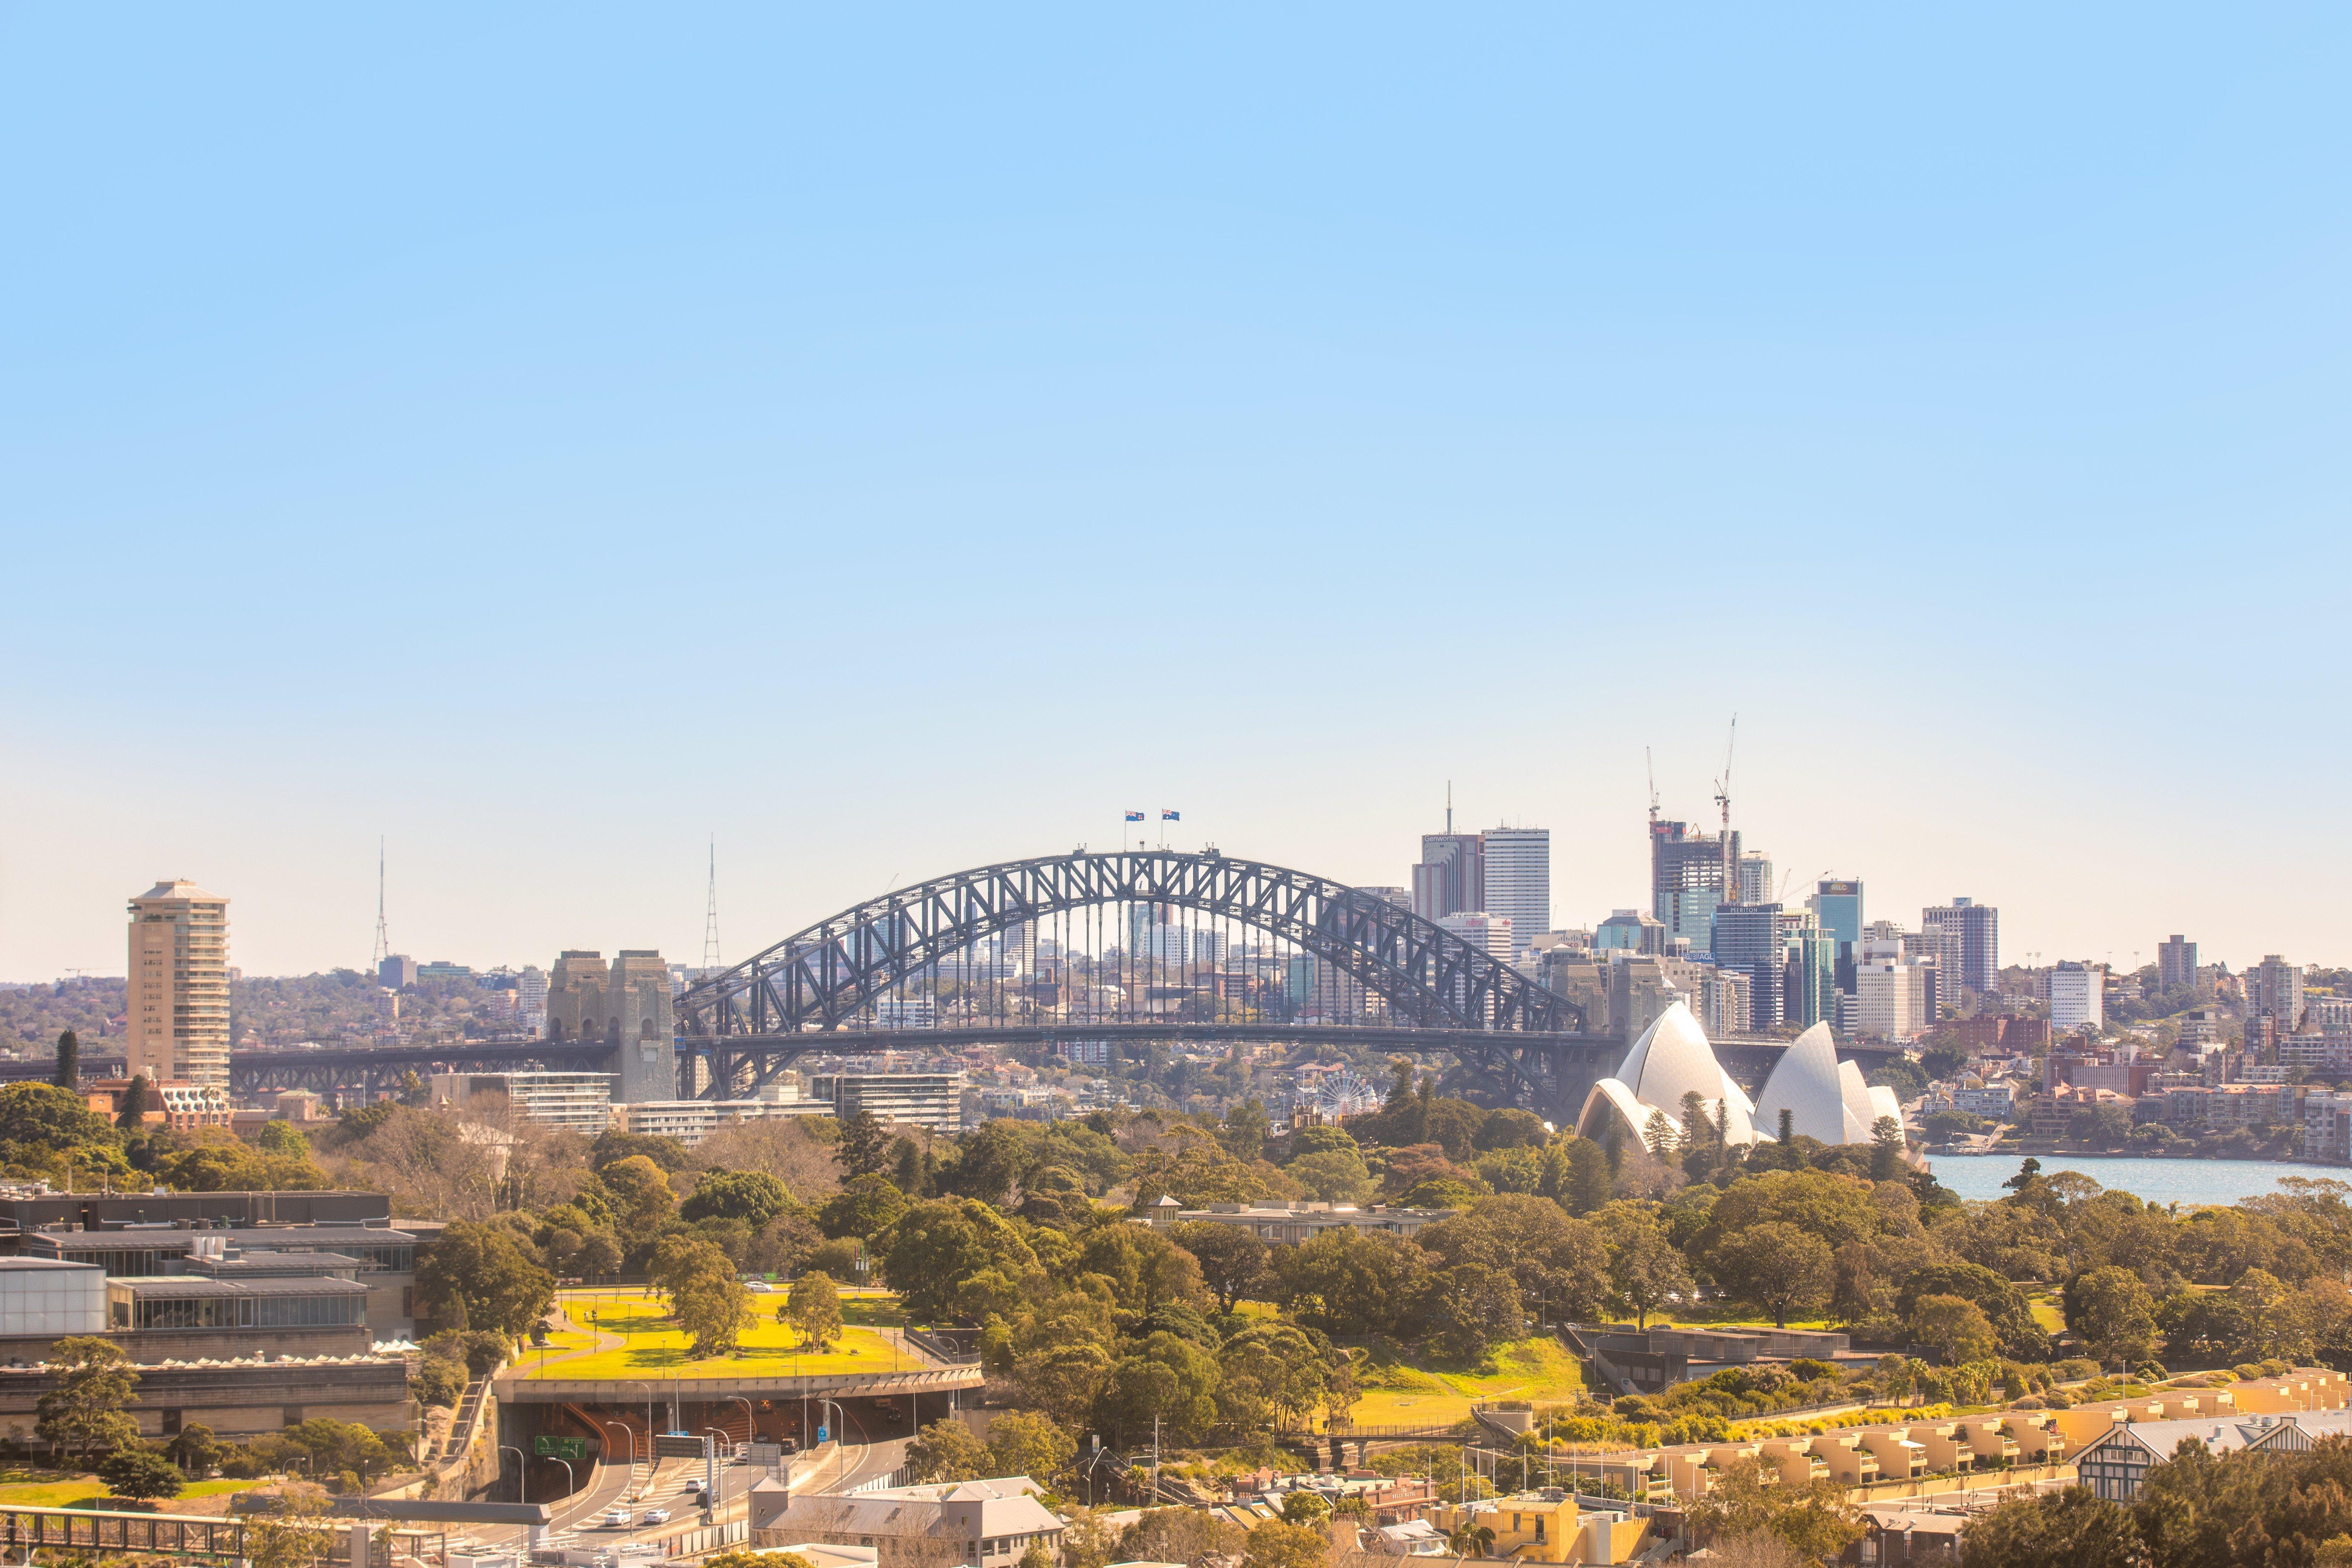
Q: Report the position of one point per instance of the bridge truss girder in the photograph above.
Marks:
(819, 980)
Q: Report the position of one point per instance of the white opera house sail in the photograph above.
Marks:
(1826, 1098)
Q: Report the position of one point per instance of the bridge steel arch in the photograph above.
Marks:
(818, 980)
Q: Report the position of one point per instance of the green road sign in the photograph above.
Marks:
(560, 1448)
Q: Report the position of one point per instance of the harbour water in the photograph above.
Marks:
(2183, 1182)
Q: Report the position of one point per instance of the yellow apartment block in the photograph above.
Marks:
(1919, 1459)
(1546, 1526)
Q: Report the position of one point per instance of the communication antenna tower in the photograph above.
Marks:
(710, 919)
(1449, 807)
(1723, 799)
(383, 933)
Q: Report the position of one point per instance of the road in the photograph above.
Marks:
(860, 1461)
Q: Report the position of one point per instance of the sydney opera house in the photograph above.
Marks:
(1826, 1098)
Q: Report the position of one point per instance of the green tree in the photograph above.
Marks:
(708, 1300)
(2069, 1529)
(1749, 1498)
(47, 1117)
(1555, 1259)
(640, 1194)
(67, 1073)
(133, 1114)
(1956, 1327)
(865, 1147)
(1270, 1373)
(193, 1448)
(931, 1250)
(1646, 1271)
(1178, 1535)
(1280, 1544)
(136, 1471)
(477, 1275)
(2113, 1312)
(947, 1451)
(1232, 1258)
(754, 1197)
(1588, 1177)
(1320, 1140)
(1244, 1129)
(1333, 1176)
(865, 1207)
(1885, 1150)
(1346, 1281)
(91, 1380)
(279, 1138)
(1166, 1377)
(613, 1146)
(1775, 1264)
(1028, 1443)
(814, 1308)
(1470, 1307)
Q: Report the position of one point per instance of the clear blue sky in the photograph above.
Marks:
(547, 437)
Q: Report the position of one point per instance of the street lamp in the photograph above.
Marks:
(523, 1477)
(718, 1499)
(571, 1482)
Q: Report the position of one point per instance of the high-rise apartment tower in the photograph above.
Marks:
(2175, 962)
(1452, 877)
(1968, 949)
(178, 1003)
(1518, 881)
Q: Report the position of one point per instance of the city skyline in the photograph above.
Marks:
(548, 452)
(503, 953)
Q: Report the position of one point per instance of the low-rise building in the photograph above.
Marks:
(692, 1120)
(2327, 1126)
(2115, 1465)
(933, 1100)
(982, 1524)
(1546, 1526)
(1297, 1221)
(580, 1102)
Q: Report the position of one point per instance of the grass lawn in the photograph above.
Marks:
(651, 1343)
(2047, 1314)
(1400, 1391)
(58, 1493)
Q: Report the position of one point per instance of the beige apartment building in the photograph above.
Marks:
(178, 1010)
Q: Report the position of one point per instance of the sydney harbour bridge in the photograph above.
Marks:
(1135, 947)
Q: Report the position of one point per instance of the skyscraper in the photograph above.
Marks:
(2078, 995)
(1837, 905)
(1518, 881)
(1968, 949)
(1756, 878)
(1452, 876)
(1746, 938)
(1686, 880)
(2175, 962)
(2274, 989)
(1809, 980)
(1491, 933)
(178, 994)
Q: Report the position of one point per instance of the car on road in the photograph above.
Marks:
(655, 1516)
(614, 1516)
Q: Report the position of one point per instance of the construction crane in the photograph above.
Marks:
(1782, 897)
(1723, 799)
(1650, 763)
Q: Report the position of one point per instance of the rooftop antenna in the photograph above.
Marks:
(1449, 805)
(710, 919)
(1723, 799)
(383, 934)
(1650, 763)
